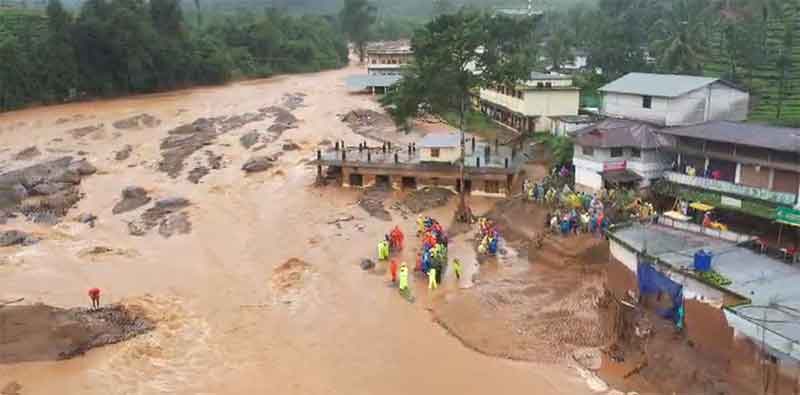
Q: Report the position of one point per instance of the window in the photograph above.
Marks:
(548, 84)
(636, 153)
(539, 85)
(492, 186)
(647, 101)
(616, 152)
(588, 151)
(434, 152)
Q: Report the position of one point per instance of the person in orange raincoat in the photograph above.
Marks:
(397, 238)
(393, 270)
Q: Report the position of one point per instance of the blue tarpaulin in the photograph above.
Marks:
(653, 282)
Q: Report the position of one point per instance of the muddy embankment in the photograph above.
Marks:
(42, 333)
(538, 300)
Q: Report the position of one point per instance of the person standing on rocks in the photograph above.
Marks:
(94, 295)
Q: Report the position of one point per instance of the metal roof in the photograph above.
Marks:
(616, 133)
(661, 85)
(539, 76)
(750, 134)
(440, 140)
(362, 82)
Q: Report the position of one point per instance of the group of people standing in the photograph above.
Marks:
(575, 212)
(489, 236)
(432, 260)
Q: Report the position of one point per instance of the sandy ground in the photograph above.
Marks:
(227, 321)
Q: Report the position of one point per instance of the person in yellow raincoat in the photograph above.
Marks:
(457, 268)
(403, 279)
(383, 250)
(420, 225)
(432, 278)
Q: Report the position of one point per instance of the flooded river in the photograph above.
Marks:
(224, 327)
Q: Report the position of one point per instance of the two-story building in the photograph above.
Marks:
(618, 153)
(385, 63)
(640, 105)
(740, 167)
(673, 100)
(529, 106)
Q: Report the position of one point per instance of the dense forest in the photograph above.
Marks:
(115, 47)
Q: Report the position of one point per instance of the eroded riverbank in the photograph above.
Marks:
(225, 322)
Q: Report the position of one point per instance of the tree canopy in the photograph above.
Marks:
(357, 17)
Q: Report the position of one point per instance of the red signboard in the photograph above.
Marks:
(615, 166)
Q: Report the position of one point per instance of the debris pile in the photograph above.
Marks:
(427, 198)
(137, 121)
(365, 118)
(372, 202)
(46, 191)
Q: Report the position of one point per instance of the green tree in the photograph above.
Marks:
(356, 17)
(454, 55)
(681, 39)
(558, 49)
(59, 64)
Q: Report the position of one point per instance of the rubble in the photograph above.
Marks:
(197, 174)
(176, 223)
(372, 202)
(291, 146)
(133, 197)
(367, 264)
(87, 218)
(427, 198)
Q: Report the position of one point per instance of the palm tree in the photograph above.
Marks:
(681, 35)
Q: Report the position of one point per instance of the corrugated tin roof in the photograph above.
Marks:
(362, 82)
(661, 85)
(440, 140)
(616, 133)
(750, 134)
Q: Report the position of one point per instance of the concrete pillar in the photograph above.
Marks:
(738, 178)
(771, 178)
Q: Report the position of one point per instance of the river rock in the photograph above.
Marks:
(87, 218)
(249, 139)
(83, 167)
(28, 153)
(49, 188)
(367, 264)
(176, 223)
(258, 164)
(137, 228)
(16, 237)
(133, 197)
(291, 146)
(124, 153)
(172, 203)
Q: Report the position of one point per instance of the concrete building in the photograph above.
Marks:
(490, 168)
(618, 153)
(736, 323)
(674, 100)
(737, 166)
(385, 63)
(529, 106)
(567, 125)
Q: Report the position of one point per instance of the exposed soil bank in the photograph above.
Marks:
(40, 332)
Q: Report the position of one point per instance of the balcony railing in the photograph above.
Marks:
(783, 198)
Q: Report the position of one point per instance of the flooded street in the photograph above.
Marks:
(230, 320)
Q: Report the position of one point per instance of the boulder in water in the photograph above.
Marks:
(258, 164)
(133, 197)
(367, 264)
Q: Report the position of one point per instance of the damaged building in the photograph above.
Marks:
(490, 167)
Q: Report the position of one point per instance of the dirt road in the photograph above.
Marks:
(227, 321)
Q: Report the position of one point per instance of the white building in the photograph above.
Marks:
(674, 100)
(530, 105)
(567, 125)
(440, 147)
(618, 153)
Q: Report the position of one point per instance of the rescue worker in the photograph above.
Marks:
(457, 268)
(403, 284)
(94, 295)
(420, 225)
(393, 270)
(432, 278)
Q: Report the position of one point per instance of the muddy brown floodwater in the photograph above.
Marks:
(264, 293)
